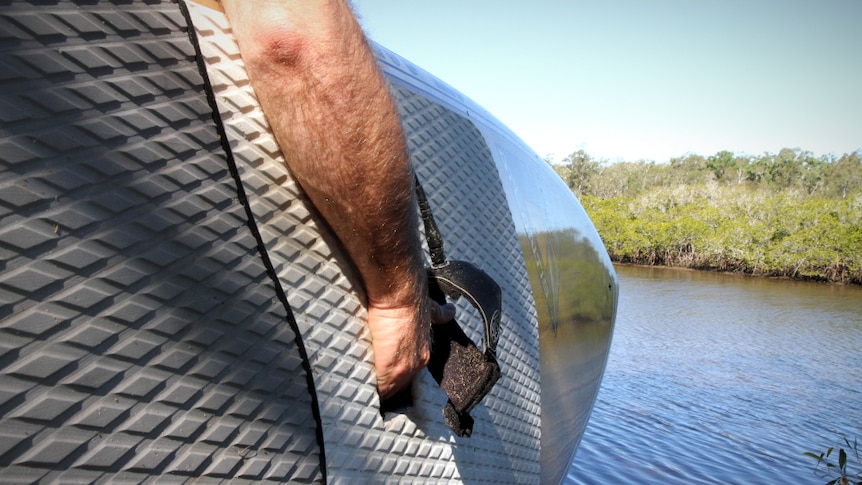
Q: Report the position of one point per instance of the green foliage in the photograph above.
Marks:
(579, 170)
(839, 469)
(789, 214)
(790, 169)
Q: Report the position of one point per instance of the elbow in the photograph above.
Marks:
(288, 49)
(285, 35)
(276, 48)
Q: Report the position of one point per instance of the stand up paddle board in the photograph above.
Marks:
(172, 309)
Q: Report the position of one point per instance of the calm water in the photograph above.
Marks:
(724, 379)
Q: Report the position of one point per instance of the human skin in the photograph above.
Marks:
(331, 113)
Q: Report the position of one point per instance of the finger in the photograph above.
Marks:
(397, 382)
(442, 313)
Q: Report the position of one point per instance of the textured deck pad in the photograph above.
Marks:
(140, 336)
(470, 207)
(468, 201)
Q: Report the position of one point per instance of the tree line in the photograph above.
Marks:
(788, 214)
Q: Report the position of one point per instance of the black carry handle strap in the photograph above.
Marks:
(465, 373)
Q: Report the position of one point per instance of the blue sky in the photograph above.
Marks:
(629, 79)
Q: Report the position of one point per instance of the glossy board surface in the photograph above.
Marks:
(574, 285)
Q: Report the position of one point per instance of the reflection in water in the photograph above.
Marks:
(719, 378)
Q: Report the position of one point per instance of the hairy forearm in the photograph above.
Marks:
(332, 116)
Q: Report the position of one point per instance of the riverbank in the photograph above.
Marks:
(735, 267)
(732, 229)
(788, 214)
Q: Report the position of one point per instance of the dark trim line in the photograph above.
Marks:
(243, 199)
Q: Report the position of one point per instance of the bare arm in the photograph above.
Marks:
(331, 113)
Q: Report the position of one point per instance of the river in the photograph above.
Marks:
(716, 378)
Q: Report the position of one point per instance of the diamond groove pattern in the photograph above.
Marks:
(459, 173)
(140, 336)
(453, 163)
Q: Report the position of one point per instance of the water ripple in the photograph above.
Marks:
(722, 379)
